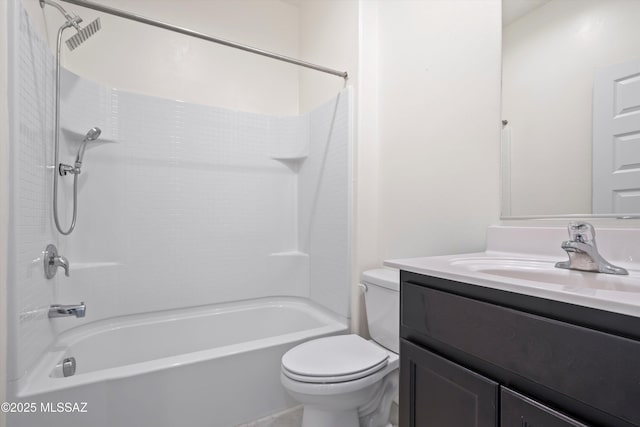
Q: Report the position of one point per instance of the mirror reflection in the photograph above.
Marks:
(571, 107)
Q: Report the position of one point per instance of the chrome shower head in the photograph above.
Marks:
(92, 135)
(83, 34)
(74, 21)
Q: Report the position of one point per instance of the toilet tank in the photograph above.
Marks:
(382, 302)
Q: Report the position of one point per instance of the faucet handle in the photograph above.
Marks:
(582, 232)
(52, 261)
(61, 261)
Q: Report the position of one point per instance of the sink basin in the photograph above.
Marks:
(545, 272)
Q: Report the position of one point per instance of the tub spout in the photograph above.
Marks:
(58, 310)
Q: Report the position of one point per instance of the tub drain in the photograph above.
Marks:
(69, 366)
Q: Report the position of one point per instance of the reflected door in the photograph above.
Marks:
(616, 139)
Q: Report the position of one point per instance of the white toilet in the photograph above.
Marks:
(345, 380)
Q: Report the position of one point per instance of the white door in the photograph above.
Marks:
(616, 139)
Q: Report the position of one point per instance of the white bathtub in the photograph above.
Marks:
(207, 366)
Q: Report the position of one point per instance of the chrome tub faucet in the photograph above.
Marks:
(58, 310)
(583, 251)
(52, 261)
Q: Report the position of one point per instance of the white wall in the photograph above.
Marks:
(4, 204)
(368, 160)
(549, 58)
(148, 60)
(329, 35)
(438, 124)
(427, 81)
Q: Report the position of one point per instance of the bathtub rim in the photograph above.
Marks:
(39, 380)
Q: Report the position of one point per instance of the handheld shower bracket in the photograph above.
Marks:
(64, 170)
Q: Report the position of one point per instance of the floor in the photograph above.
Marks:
(289, 418)
(293, 418)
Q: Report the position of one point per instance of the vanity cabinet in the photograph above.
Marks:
(476, 356)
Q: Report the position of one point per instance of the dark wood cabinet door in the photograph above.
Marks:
(435, 392)
(517, 410)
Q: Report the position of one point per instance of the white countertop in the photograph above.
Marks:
(532, 272)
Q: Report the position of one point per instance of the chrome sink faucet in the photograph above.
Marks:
(58, 310)
(583, 252)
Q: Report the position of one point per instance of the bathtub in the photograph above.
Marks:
(206, 366)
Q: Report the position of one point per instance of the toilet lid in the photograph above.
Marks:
(334, 359)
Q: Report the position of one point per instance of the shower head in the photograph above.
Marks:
(74, 21)
(83, 34)
(92, 135)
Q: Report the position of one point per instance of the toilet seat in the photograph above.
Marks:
(334, 359)
(334, 379)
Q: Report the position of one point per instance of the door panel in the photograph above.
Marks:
(437, 392)
(616, 139)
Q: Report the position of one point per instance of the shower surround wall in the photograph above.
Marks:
(179, 204)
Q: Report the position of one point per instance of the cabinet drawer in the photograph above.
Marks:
(598, 369)
(517, 410)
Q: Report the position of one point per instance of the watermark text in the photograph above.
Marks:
(43, 407)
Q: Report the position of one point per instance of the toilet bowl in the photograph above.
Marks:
(346, 380)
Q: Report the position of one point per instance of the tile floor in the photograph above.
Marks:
(293, 418)
(289, 418)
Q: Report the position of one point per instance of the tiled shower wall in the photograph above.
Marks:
(179, 204)
(30, 226)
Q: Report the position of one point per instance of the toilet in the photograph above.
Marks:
(346, 380)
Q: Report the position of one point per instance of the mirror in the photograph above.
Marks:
(570, 108)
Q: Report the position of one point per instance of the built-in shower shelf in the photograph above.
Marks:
(292, 254)
(291, 158)
(87, 265)
(292, 162)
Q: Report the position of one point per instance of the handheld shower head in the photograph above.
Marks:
(92, 135)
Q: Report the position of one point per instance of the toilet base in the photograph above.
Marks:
(368, 407)
(377, 411)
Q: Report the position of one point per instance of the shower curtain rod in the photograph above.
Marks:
(196, 34)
